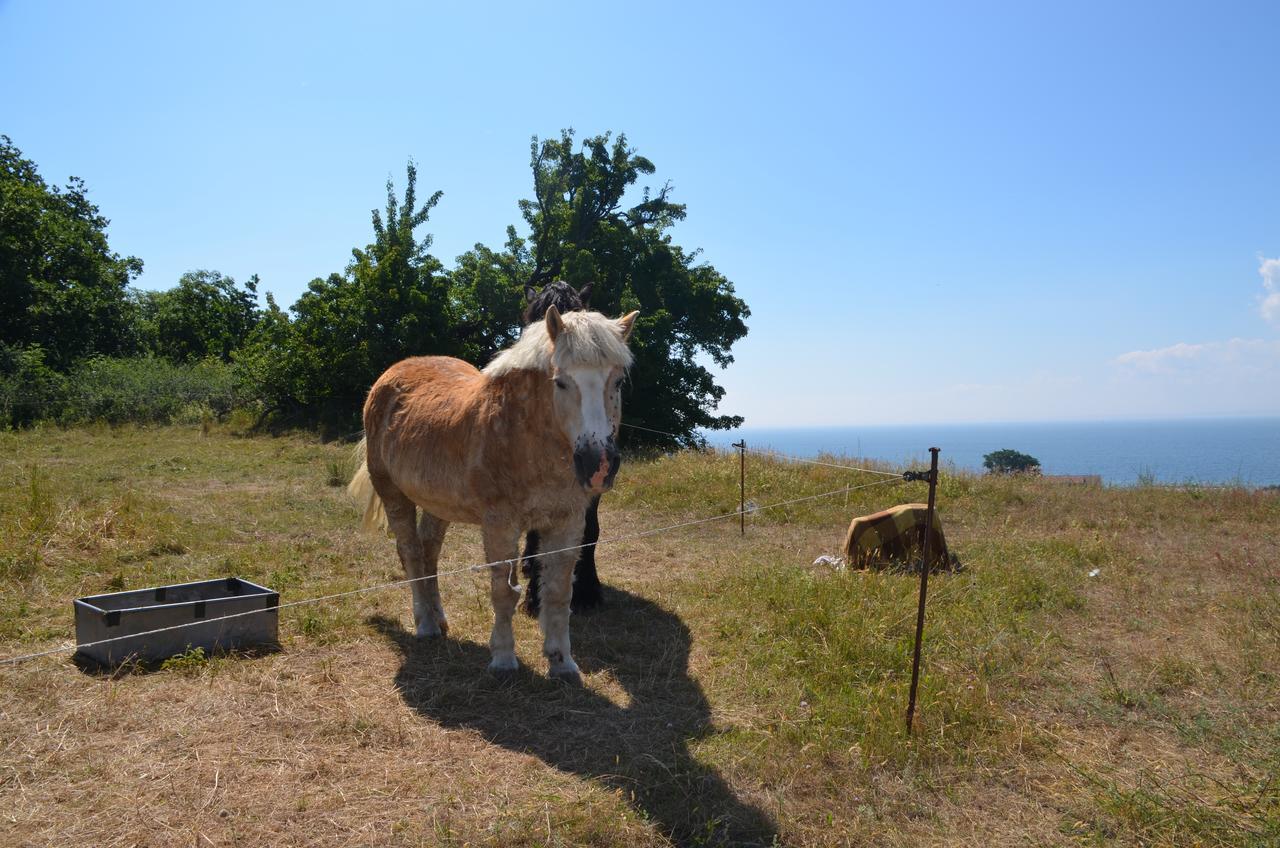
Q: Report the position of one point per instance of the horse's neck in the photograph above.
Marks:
(520, 435)
(519, 404)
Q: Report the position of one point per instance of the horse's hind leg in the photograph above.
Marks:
(501, 542)
(428, 612)
(531, 567)
(401, 513)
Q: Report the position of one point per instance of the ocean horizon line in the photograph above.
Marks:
(1002, 422)
(1205, 450)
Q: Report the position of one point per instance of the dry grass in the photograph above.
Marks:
(734, 694)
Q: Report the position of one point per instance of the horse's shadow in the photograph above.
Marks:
(641, 749)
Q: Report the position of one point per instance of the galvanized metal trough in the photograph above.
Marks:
(133, 614)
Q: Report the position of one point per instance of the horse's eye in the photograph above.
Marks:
(560, 384)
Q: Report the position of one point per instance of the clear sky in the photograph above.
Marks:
(936, 212)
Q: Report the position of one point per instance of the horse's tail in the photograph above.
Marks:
(361, 490)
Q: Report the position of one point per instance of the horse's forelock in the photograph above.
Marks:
(589, 340)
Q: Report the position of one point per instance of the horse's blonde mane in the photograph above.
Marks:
(588, 340)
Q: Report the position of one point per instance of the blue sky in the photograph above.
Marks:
(936, 212)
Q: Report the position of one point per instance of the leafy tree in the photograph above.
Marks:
(267, 366)
(487, 291)
(581, 231)
(62, 287)
(205, 315)
(392, 301)
(1010, 462)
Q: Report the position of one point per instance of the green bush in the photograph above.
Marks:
(114, 390)
(29, 389)
(147, 390)
(1010, 462)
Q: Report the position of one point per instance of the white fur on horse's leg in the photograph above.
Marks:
(557, 590)
(501, 543)
(502, 642)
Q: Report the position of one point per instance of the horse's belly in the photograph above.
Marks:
(528, 507)
(452, 508)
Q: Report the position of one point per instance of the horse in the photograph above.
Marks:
(524, 444)
(586, 582)
(559, 294)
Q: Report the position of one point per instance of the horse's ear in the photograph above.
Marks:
(584, 293)
(627, 322)
(530, 293)
(555, 324)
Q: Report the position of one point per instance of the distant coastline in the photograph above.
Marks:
(1207, 451)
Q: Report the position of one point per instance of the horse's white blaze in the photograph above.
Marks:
(594, 423)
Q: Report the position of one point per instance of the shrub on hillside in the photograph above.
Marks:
(1010, 462)
(147, 390)
(29, 388)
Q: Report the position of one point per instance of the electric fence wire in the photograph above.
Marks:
(510, 563)
(779, 455)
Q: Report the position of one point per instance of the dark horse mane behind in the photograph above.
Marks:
(586, 583)
(559, 294)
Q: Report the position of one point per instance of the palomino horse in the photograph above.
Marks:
(586, 582)
(524, 444)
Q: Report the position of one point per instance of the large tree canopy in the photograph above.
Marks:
(583, 230)
(62, 287)
(205, 315)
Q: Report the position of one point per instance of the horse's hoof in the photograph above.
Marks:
(431, 630)
(503, 666)
(566, 674)
(586, 604)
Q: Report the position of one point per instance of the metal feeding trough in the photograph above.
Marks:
(132, 615)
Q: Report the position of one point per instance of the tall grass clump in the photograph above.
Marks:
(27, 526)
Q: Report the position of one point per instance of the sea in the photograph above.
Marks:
(1202, 451)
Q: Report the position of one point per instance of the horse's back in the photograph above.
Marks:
(423, 388)
(419, 424)
(423, 371)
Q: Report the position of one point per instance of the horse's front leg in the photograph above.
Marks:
(557, 591)
(586, 583)
(501, 542)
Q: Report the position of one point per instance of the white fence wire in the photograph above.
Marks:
(510, 563)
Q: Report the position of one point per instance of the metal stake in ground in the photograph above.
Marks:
(924, 586)
(742, 485)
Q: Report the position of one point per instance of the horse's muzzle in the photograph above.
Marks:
(596, 465)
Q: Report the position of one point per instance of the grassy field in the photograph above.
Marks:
(735, 694)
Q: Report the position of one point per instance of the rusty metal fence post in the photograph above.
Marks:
(742, 485)
(924, 586)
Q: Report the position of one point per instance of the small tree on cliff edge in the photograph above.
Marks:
(1010, 462)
